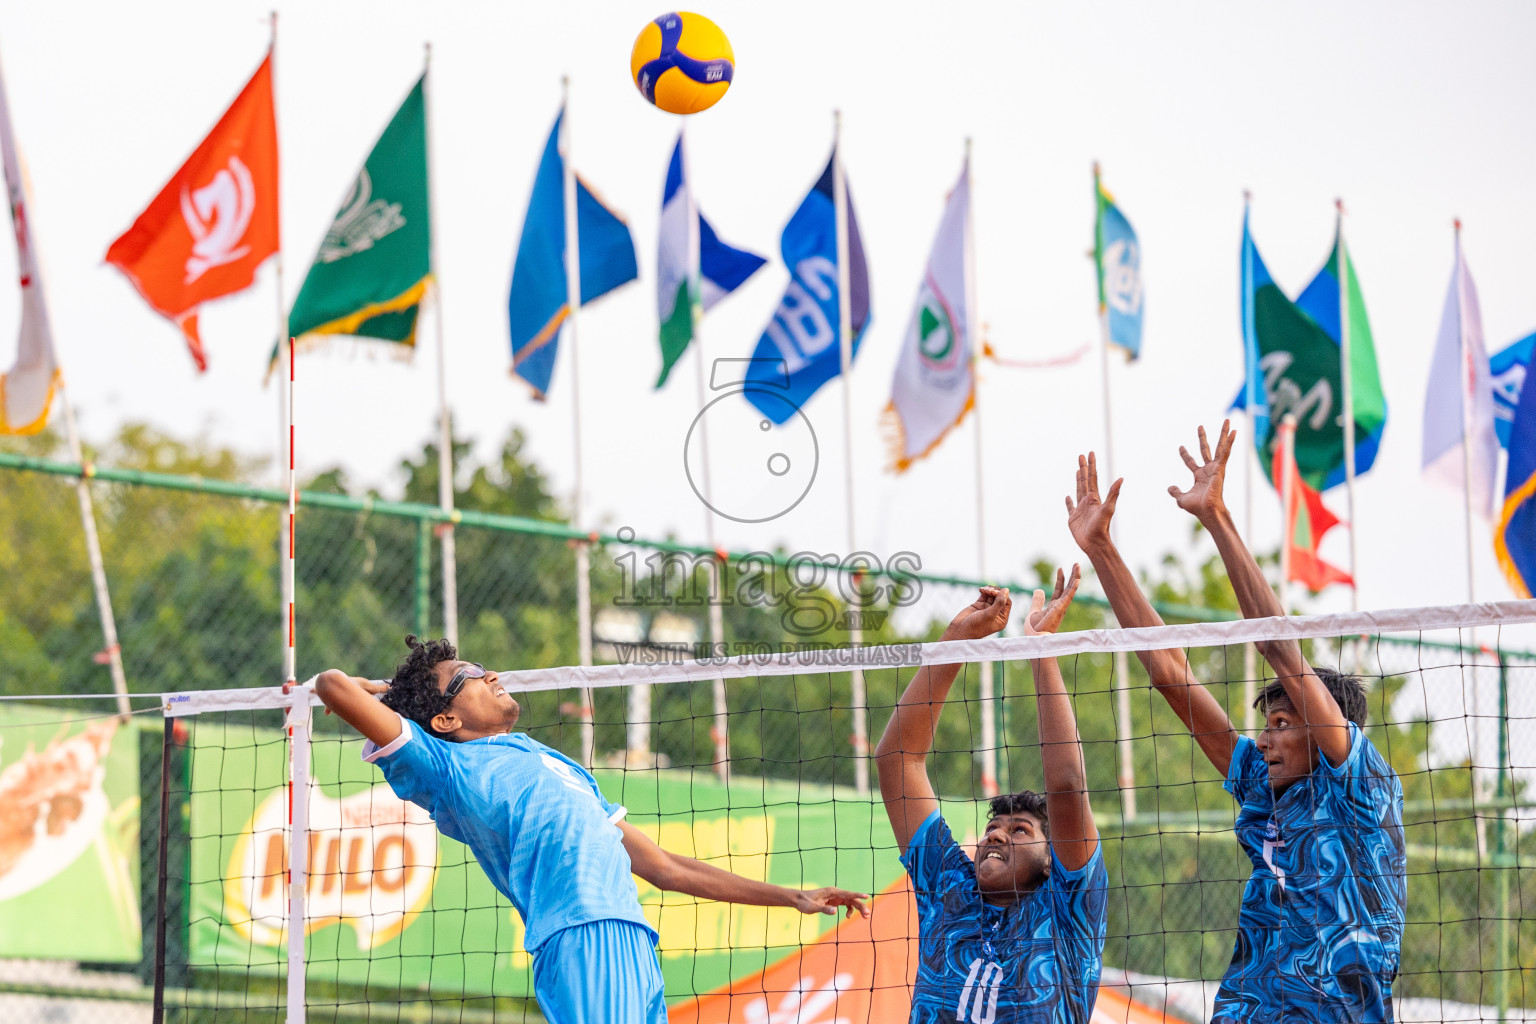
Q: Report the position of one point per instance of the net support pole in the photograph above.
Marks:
(987, 689)
(578, 513)
(856, 699)
(1346, 379)
(1127, 773)
(444, 416)
(299, 717)
(720, 731)
(1501, 954)
(162, 880)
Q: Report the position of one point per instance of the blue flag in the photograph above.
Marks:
(1117, 257)
(1514, 540)
(799, 350)
(537, 305)
(1509, 368)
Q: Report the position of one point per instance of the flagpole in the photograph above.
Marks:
(1127, 775)
(987, 689)
(1287, 502)
(1345, 274)
(444, 415)
(1468, 385)
(720, 733)
(1250, 653)
(286, 579)
(27, 253)
(845, 352)
(578, 514)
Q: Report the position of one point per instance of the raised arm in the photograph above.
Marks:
(1203, 500)
(1202, 714)
(1074, 836)
(352, 697)
(676, 873)
(901, 757)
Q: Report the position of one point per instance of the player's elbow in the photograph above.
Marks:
(330, 684)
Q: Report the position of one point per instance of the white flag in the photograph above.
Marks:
(26, 391)
(1460, 398)
(935, 380)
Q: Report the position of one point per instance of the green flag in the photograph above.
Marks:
(1295, 366)
(373, 268)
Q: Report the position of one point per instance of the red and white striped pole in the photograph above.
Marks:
(298, 753)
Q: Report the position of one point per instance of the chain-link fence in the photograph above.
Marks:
(193, 569)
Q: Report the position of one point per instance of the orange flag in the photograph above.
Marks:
(1306, 519)
(215, 222)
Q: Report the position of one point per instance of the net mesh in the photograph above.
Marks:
(403, 925)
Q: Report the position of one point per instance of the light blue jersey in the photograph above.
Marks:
(541, 829)
(1321, 925)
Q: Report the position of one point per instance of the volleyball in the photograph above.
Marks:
(682, 63)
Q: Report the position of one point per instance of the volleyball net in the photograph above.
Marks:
(399, 923)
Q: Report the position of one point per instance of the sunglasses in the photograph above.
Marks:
(469, 671)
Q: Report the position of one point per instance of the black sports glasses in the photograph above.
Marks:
(469, 671)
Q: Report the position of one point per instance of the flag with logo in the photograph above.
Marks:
(1294, 365)
(375, 263)
(215, 221)
(935, 384)
(1117, 258)
(692, 265)
(1305, 519)
(26, 389)
(1458, 409)
(1514, 539)
(1508, 368)
(799, 350)
(537, 305)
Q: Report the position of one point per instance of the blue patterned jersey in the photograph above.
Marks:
(1036, 960)
(534, 819)
(1322, 918)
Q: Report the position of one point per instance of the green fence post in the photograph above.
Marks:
(423, 576)
(1501, 957)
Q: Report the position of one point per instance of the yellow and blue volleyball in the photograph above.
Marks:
(682, 63)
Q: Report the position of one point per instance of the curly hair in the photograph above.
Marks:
(1348, 692)
(413, 691)
(1025, 801)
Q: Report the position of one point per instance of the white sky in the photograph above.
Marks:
(1414, 113)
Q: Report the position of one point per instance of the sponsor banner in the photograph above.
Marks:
(69, 837)
(392, 902)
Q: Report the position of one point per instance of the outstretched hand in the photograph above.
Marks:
(1204, 497)
(827, 900)
(986, 615)
(1089, 517)
(1046, 617)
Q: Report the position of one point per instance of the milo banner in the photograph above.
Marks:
(392, 903)
(69, 837)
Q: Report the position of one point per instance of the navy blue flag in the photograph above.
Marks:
(801, 342)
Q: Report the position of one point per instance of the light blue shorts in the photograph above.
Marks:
(598, 972)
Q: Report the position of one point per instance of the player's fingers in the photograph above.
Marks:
(1173, 490)
(1093, 474)
(1077, 577)
(1070, 507)
(1189, 460)
(1205, 445)
(1060, 584)
(1114, 493)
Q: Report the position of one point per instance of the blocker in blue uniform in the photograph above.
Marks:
(546, 837)
(1017, 935)
(1320, 811)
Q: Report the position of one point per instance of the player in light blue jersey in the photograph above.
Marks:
(441, 731)
(1017, 935)
(1320, 810)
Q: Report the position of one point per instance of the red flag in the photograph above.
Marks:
(1306, 519)
(215, 222)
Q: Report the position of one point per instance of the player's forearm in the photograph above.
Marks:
(1254, 594)
(1133, 610)
(695, 878)
(910, 731)
(1061, 753)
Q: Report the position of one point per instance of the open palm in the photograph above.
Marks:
(1204, 496)
(1088, 518)
(1046, 616)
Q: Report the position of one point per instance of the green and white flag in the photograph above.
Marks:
(935, 383)
(375, 264)
(693, 267)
